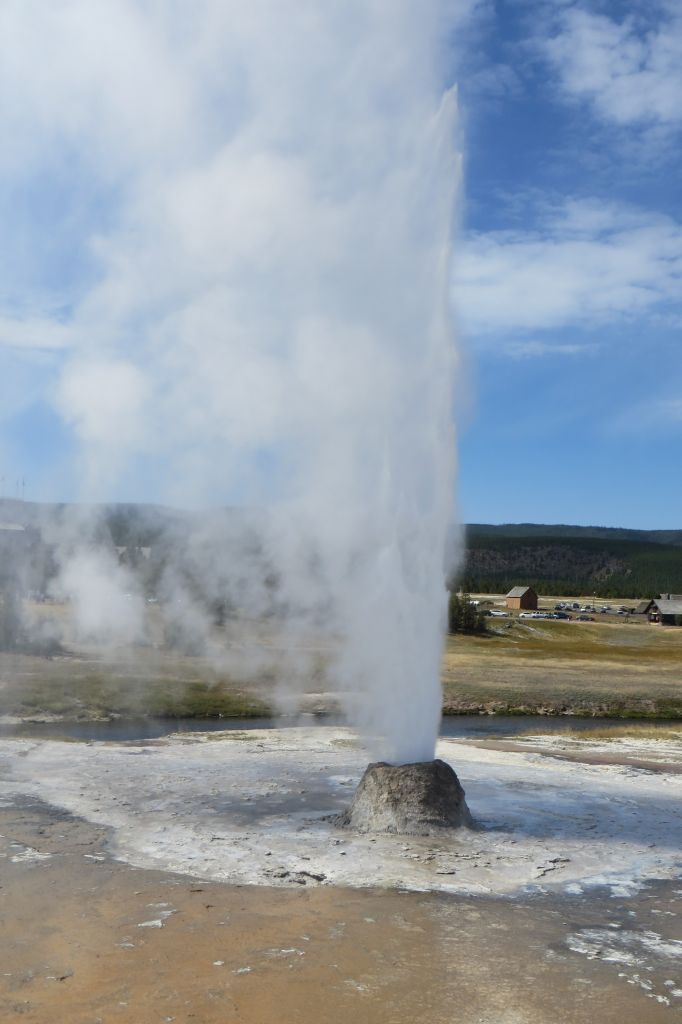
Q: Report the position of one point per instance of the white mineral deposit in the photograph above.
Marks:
(261, 807)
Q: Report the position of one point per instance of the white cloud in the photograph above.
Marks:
(630, 70)
(532, 349)
(34, 333)
(587, 264)
(656, 416)
(669, 409)
(493, 81)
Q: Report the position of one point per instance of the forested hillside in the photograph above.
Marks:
(564, 530)
(573, 560)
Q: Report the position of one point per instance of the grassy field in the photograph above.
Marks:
(168, 686)
(615, 668)
(609, 667)
(243, 666)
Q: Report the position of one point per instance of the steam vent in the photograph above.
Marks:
(418, 799)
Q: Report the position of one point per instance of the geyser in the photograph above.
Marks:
(259, 316)
(418, 799)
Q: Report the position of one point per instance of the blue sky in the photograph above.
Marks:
(570, 293)
(567, 285)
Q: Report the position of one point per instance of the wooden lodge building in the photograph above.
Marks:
(522, 598)
(667, 610)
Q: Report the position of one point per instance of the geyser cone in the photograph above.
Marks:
(411, 799)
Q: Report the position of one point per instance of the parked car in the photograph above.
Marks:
(584, 618)
(560, 615)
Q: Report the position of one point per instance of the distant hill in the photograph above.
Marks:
(673, 537)
(127, 524)
(568, 559)
(554, 559)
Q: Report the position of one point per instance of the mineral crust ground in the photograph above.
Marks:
(122, 871)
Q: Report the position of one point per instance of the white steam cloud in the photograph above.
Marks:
(257, 312)
(106, 608)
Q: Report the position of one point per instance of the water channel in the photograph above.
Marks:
(452, 726)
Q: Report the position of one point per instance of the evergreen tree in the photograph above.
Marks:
(464, 616)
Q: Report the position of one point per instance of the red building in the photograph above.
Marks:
(522, 598)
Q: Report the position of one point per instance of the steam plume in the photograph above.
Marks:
(259, 316)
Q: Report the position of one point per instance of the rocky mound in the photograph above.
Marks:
(411, 799)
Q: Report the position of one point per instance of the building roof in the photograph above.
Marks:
(519, 591)
(643, 607)
(667, 606)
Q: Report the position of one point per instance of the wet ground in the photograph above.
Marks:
(118, 901)
(85, 939)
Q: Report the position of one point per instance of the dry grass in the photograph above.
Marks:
(619, 732)
(603, 668)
